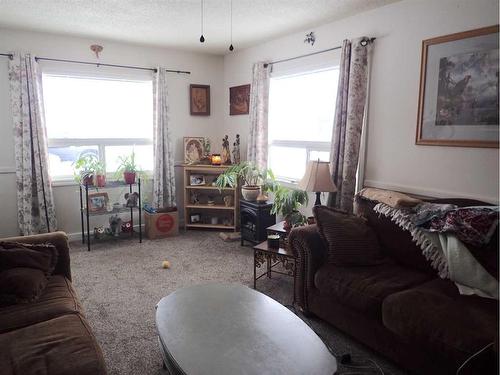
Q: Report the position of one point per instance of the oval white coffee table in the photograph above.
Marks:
(231, 329)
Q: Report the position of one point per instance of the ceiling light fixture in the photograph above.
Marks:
(202, 38)
(231, 46)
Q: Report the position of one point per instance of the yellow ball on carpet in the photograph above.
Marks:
(165, 264)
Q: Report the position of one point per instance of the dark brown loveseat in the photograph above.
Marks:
(401, 309)
(49, 336)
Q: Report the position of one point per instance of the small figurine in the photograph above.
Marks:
(98, 232)
(132, 199)
(225, 154)
(126, 226)
(114, 225)
(236, 150)
(195, 198)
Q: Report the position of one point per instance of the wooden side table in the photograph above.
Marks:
(272, 257)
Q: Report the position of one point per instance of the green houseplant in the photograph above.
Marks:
(85, 168)
(252, 177)
(287, 203)
(128, 168)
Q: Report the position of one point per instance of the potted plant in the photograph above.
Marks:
(85, 169)
(251, 176)
(128, 168)
(100, 174)
(286, 203)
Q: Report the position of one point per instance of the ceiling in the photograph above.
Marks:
(176, 23)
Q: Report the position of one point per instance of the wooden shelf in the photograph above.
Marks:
(213, 207)
(207, 187)
(206, 211)
(212, 226)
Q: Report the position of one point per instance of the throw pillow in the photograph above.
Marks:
(42, 257)
(21, 285)
(350, 240)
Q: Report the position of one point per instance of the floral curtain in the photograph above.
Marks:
(349, 119)
(163, 173)
(35, 202)
(259, 105)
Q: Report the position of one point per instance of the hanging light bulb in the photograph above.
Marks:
(202, 38)
(231, 48)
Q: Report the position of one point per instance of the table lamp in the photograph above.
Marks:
(317, 179)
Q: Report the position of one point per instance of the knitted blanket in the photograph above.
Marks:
(444, 246)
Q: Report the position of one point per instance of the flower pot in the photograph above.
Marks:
(250, 193)
(129, 177)
(88, 180)
(100, 180)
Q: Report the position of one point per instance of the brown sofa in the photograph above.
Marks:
(50, 336)
(402, 309)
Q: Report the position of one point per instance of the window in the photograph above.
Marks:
(101, 116)
(301, 112)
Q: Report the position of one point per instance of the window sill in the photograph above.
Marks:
(59, 183)
(288, 183)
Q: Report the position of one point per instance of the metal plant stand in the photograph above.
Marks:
(85, 214)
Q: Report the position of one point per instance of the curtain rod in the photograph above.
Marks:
(11, 56)
(110, 65)
(364, 42)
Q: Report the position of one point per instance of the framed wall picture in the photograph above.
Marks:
(239, 100)
(193, 149)
(458, 101)
(98, 202)
(199, 100)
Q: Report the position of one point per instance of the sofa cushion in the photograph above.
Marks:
(434, 314)
(39, 256)
(63, 345)
(349, 239)
(365, 288)
(58, 298)
(21, 285)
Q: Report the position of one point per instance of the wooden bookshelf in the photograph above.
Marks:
(206, 191)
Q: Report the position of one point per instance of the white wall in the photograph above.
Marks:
(393, 159)
(205, 69)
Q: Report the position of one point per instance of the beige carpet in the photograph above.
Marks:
(120, 282)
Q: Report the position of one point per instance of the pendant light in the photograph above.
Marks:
(202, 38)
(231, 48)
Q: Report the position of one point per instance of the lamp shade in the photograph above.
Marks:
(317, 178)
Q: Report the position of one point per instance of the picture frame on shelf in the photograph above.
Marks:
(458, 100)
(199, 100)
(195, 218)
(193, 149)
(98, 202)
(239, 100)
(196, 180)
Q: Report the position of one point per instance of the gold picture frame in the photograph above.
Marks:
(456, 105)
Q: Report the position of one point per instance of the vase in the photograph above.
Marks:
(88, 180)
(100, 180)
(250, 193)
(129, 177)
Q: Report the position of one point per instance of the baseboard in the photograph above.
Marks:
(426, 192)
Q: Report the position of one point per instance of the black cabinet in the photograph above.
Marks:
(254, 219)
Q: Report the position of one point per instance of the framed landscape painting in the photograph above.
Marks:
(239, 100)
(458, 101)
(199, 100)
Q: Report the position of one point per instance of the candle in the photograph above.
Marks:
(216, 159)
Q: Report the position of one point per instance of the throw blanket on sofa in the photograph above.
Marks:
(442, 243)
